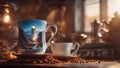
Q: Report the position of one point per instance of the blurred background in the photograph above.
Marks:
(72, 16)
(84, 21)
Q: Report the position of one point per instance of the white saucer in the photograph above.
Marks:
(41, 55)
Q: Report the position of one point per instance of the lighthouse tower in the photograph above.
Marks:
(33, 33)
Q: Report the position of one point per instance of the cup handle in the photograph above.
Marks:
(76, 50)
(53, 33)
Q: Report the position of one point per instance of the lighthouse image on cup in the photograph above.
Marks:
(32, 36)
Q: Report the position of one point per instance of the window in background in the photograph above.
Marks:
(91, 13)
(113, 6)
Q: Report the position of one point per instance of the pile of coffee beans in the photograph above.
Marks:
(49, 59)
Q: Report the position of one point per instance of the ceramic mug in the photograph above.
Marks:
(32, 36)
(64, 48)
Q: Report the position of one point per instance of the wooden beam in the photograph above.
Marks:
(79, 15)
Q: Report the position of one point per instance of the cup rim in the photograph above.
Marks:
(62, 43)
(40, 20)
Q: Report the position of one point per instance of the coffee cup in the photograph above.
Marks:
(32, 36)
(65, 48)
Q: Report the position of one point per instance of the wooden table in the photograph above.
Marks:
(110, 64)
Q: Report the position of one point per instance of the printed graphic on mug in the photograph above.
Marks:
(32, 35)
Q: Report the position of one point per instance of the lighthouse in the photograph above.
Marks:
(33, 33)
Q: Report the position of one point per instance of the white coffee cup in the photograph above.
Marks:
(65, 48)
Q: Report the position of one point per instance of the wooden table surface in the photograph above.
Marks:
(109, 64)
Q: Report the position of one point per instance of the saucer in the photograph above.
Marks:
(30, 55)
(27, 55)
(65, 55)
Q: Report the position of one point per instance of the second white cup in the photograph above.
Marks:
(65, 48)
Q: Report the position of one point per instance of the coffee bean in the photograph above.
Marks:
(49, 59)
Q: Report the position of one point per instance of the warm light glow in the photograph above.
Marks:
(33, 27)
(113, 6)
(99, 34)
(106, 30)
(52, 42)
(33, 39)
(6, 18)
(7, 10)
(83, 35)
